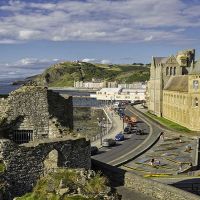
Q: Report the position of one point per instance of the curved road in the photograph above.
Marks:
(133, 145)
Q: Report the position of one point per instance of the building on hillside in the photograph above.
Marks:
(173, 89)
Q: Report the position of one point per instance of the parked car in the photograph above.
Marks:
(127, 130)
(94, 150)
(140, 132)
(135, 130)
(116, 104)
(119, 137)
(108, 142)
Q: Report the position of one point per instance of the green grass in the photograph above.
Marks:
(64, 74)
(169, 124)
(47, 186)
(2, 167)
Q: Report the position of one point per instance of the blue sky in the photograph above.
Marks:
(37, 33)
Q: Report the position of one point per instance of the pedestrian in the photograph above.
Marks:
(180, 167)
(152, 162)
(162, 136)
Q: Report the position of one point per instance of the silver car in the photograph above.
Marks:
(108, 142)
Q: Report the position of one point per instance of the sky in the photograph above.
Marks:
(37, 33)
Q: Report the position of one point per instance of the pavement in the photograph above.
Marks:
(117, 127)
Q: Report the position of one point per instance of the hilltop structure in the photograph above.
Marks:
(173, 89)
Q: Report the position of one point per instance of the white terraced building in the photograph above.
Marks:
(119, 94)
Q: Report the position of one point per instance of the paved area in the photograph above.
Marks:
(172, 155)
(117, 126)
(124, 150)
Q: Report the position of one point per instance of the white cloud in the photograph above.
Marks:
(105, 61)
(94, 60)
(149, 38)
(25, 67)
(97, 20)
(89, 60)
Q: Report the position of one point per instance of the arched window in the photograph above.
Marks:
(174, 70)
(167, 71)
(196, 102)
(171, 71)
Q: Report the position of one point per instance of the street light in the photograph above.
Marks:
(101, 124)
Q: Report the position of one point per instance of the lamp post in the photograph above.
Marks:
(101, 125)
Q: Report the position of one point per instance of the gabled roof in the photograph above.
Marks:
(177, 83)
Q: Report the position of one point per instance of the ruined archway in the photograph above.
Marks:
(51, 162)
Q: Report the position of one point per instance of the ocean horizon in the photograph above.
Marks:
(6, 86)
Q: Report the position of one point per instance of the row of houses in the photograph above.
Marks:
(98, 84)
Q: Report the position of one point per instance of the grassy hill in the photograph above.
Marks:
(65, 73)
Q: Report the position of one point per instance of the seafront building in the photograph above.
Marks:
(173, 91)
(99, 84)
(120, 94)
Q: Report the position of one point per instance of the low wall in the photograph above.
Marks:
(146, 186)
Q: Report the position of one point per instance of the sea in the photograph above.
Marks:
(80, 98)
(6, 86)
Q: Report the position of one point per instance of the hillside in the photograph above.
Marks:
(65, 73)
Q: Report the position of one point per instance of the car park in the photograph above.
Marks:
(94, 150)
(108, 142)
(119, 137)
(127, 130)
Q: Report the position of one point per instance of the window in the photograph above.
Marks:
(171, 71)
(196, 102)
(167, 71)
(22, 136)
(174, 70)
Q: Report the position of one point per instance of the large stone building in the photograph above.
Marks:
(173, 89)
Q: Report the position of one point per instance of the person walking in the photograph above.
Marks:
(162, 136)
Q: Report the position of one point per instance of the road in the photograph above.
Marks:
(120, 152)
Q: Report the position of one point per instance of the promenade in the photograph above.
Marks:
(115, 126)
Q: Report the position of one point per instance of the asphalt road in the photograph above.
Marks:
(116, 154)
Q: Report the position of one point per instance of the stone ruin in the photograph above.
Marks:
(35, 126)
(31, 113)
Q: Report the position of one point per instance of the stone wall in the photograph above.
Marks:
(30, 107)
(146, 186)
(25, 164)
(155, 189)
(44, 112)
(61, 108)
